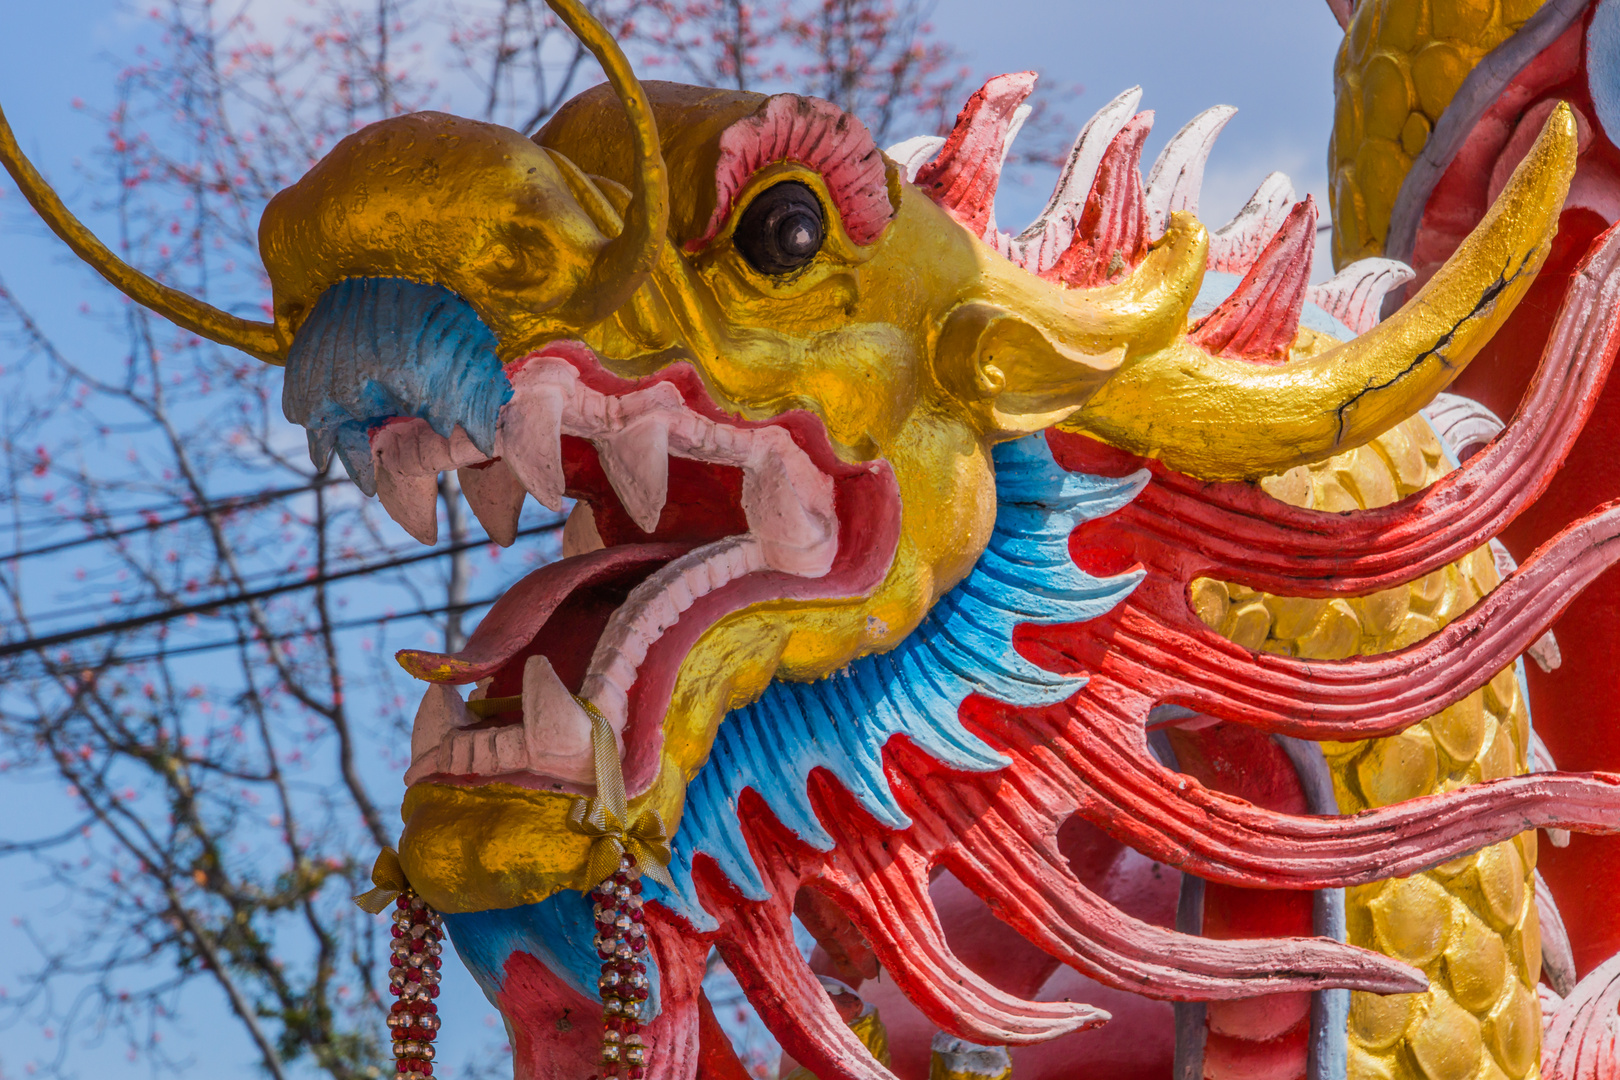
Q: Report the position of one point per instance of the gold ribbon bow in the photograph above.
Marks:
(389, 878)
(606, 819)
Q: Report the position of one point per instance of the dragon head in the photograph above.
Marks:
(770, 364)
(777, 425)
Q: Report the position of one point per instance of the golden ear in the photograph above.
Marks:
(1010, 375)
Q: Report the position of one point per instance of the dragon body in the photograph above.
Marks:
(1079, 630)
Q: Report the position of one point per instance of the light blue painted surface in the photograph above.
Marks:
(558, 932)
(376, 348)
(1603, 66)
(963, 647)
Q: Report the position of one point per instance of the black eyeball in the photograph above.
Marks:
(782, 229)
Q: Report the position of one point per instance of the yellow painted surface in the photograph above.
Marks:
(1470, 924)
(1397, 70)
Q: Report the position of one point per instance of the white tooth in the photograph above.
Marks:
(579, 532)
(679, 594)
(788, 504)
(528, 438)
(509, 752)
(1039, 246)
(698, 580)
(636, 460)
(1178, 174)
(410, 447)
(1234, 246)
(413, 501)
(461, 451)
(461, 753)
(604, 690)
(556, 731)
(480, 689)
(496, 498)
(485, 762)
(440, 713)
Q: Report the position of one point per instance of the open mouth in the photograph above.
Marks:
(684, 515)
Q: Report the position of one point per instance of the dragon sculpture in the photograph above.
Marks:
(1075, 624)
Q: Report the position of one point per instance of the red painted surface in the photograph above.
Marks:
(1259, 320)
(1112, 234)
(964, 175)
(557, 1032)
(1576, 708)
(1263, 1037)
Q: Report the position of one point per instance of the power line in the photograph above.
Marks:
(244, 639)
(203, 606)
(220, 506)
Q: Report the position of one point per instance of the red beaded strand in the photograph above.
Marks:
(413, 978)
(621, 943)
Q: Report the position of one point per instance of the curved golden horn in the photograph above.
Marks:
(255, 338)
(1224, 419)
(625, 262)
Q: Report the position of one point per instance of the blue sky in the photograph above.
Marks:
(1270, 58)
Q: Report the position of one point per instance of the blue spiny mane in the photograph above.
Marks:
(964, 646)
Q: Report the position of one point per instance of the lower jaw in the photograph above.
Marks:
(496, 846)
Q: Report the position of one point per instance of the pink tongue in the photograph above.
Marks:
(520, 614)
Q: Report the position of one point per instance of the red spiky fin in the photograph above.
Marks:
(963, 177)
(1112, 235)
(1259, 320)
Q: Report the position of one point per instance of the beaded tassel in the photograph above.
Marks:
(413, 978)
(621, 943)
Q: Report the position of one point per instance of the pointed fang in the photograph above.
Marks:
(529, 439)
(636, 460)
(412, 501)
(556, 731)
(496, 497)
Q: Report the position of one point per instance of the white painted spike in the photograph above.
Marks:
(1038, 247)
(1234, 246)
(913, 153)
(1557, 956)
(496, 496)
(1355, 294)
(636, 461)
(1177, 176)
(1465, 425)
(528, 437)
(412, 501)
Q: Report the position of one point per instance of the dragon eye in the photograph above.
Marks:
(782, 229)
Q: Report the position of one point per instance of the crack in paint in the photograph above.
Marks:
(1486, 300)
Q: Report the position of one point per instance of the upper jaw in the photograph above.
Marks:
(759, 511)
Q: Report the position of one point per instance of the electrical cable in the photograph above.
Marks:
(243, 639)
(64, 637)
(219, 506)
